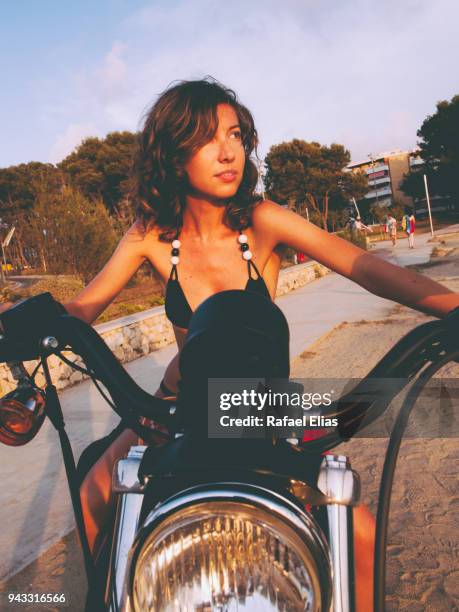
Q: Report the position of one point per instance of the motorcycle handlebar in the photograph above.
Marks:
(427, 343)
(125, 392)
(28, 323)
(402, 362)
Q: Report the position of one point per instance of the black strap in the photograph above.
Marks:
(174, 274)
(251, 263)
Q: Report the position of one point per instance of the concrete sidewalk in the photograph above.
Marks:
(35, 508)
(315, 309)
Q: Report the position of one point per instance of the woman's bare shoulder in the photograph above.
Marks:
(268, 214)
(266, 217)
(266, 210)
(142, 238)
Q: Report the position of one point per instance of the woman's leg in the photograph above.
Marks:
(96, 494)
(97, 499)
(364, 547)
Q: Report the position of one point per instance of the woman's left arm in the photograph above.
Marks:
(281, 226)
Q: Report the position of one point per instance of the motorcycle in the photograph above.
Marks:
(206, 523)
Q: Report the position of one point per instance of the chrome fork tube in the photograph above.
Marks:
(342, 486)
(124, 482)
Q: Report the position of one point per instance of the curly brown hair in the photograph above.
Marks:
(181, 121)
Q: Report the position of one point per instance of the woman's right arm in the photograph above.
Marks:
(102, 290)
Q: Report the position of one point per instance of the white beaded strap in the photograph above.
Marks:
(175, 257)
(243, 241)
(247, 254)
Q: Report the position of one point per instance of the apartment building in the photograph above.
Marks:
(385, 173)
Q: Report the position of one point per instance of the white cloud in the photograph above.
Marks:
(328, 71)
(115, 66)
(324, 71)
(71, 138)
(113, 72)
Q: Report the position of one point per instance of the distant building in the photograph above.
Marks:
(385, 173)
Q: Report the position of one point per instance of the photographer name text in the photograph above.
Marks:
(275, 421)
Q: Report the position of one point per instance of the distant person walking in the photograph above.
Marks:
(351, 224)
(408, 225)
(392, 229)
(359, 226)
(412, 228)
(383, 230)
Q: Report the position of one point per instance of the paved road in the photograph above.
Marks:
(35, 509)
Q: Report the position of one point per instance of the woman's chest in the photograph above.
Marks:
(207, 268)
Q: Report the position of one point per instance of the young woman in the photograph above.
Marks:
(204, 230)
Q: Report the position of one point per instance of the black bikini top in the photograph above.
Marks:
(177, 308)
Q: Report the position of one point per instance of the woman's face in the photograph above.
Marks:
(216, 169)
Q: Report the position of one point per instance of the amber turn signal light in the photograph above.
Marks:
(22, 413)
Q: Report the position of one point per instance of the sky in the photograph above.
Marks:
(363, 74)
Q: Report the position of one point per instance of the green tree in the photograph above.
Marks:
(17, 186)
(301, 173)
(397, 209)
(101, 168)
(337, 219)
(70, 233)
(379, 213)
(439, 147)
(413, 183)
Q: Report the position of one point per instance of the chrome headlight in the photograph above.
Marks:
(233, 549)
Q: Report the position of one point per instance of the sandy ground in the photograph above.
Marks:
(423, 567)
(423, 555)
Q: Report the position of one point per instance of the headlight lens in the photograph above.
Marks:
(225, 555)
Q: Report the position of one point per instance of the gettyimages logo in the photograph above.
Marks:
(254, 408)
(270, 398)
(303, 408)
